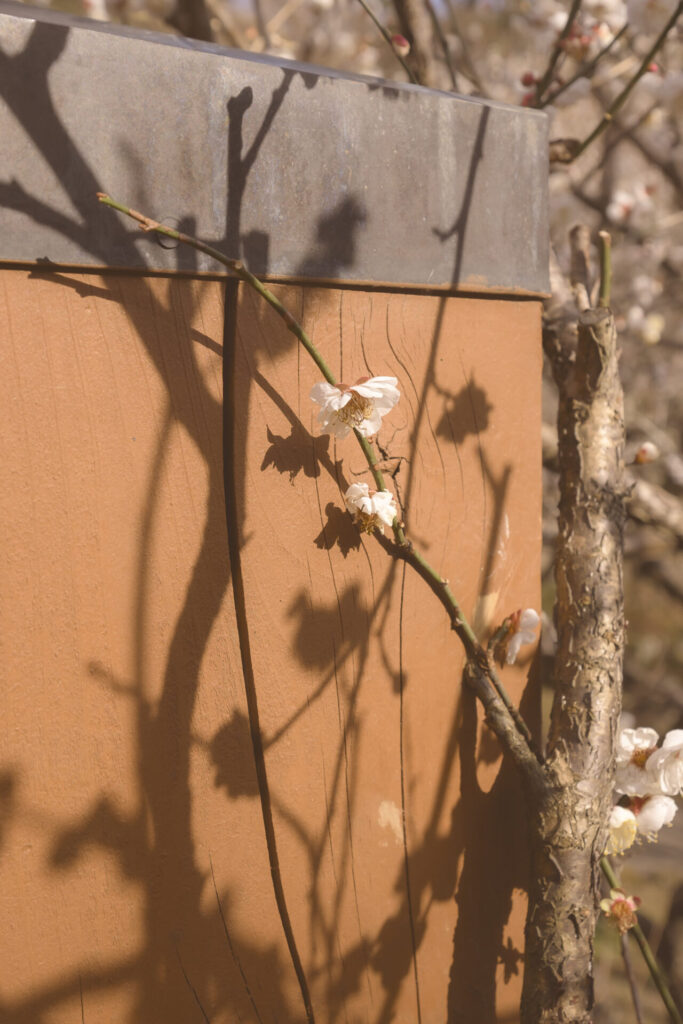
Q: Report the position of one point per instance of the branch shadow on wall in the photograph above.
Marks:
(196, 963)
(193, 963)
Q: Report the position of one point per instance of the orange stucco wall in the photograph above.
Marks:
(210, 713)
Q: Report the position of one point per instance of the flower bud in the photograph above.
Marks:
(400, 44)
(648, 452)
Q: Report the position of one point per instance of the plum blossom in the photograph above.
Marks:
(634, 747)
(622, 830)
(611, 11)
(633, 207)
(666, 764)
(358, 406)
(371, 511)
(621, 908)
(523, 625)
(652, 328)
(652, 813)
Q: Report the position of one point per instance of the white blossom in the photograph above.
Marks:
(358, 406)
(634, 747)
(652, 328)
(653, 813)
(622, 830)
(633, 206)
(370, 510)
(524, 625)
(666, 764)
(611, 11)
(634, 743)
(621, 908)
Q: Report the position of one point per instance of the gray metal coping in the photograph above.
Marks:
(305, 173)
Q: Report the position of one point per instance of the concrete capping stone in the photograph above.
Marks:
(306, 173)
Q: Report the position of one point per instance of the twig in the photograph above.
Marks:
(442, 41)
(386, 35)
(628, 969)
(234, 266)
(648, 956)
(618, 103)
(547, 77)
(585, 71)
(605, 268)
(501, 715)
(470, 72)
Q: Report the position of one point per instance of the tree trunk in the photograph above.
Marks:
(569, 820)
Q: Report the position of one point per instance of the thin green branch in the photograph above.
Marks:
(586, 70)
(618, 103)
(515, 730)
(547, 77)
(237, 268)
(648, 956)
(380, 26)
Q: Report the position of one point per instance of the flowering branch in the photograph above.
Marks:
(390, 41)
(648, 956)
(502, 717)
(585, 71)
(618, 103)
(547, 77)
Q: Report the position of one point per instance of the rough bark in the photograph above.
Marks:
(568, 820)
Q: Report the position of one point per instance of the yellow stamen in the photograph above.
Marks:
(356, 410)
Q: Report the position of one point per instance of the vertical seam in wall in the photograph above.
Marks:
(229, 357)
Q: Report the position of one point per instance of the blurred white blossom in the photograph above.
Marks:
(653, 813)
(632, 206)
(622, 830)
(647, 452)
(524, 625)
(666, 764)
(648, 16)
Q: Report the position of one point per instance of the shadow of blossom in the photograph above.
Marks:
(339, 530)
(299, 453)
(510, 957)
(232, 755)
(465, 412)
(321, 638)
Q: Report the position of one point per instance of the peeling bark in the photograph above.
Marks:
(568, 820)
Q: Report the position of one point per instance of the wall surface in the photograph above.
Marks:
(238, 761)
(240, 779)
